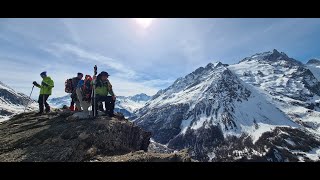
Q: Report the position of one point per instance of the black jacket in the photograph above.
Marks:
(75, 82)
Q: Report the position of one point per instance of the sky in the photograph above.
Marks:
(141, 58)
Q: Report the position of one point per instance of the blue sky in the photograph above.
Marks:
(141, 59)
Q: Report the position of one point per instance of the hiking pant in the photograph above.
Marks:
(72, 101)
(84, 104)
(43, 102)
(75, 100)
(109, 104)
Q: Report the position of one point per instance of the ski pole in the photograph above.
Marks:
(28, 100)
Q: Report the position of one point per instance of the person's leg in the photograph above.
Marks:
(45, 98)
(100, 106)
(76, 101)
(78, 107)
(72, 102)
(85, 106)
(98, 100)
(112, 104)
(80, 97)
(86, 102)
(40, 101)
(107, 103)
(109, 106)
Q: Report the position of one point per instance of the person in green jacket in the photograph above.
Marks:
(104, 93)
(45, 91)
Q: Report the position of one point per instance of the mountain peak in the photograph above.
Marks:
(273, 56)
(275, 51)
(141, 94)
(314, 61)
(140, 97)
(214, 64)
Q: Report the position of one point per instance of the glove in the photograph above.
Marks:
(35, 83)
(44, 84)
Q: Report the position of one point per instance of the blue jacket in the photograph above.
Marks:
(80, 83)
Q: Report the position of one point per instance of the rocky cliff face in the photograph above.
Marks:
(57, 137)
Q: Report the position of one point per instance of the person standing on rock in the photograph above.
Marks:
(74, 99)
(45, 91)
(104, 92)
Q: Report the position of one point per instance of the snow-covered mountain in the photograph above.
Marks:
(314, 66)
(59, 102)
(125, 105)
(12, 102)
(286, 83)
(314, 61)
(131, 103)
(262, 108)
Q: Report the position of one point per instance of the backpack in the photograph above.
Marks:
(68, 86)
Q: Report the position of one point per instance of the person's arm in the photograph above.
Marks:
(36, 84)
(111, 91)
(48, 83)
(52, 83)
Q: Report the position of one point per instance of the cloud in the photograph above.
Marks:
(125, 81)
(161, 83)
(124, 87)
(60, 49)
(20, 76)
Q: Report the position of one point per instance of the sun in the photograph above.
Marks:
(144, 22)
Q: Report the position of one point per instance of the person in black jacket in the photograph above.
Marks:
(74, 99)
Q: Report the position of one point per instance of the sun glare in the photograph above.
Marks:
(144, 22)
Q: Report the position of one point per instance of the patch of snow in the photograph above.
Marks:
(290, 142)
(314, 154)
(211, 156)
(4, 118)
(185, 124)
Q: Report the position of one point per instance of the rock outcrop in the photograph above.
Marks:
(141, 156)
(57, 137)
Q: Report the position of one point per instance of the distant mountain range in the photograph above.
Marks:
(125, 105)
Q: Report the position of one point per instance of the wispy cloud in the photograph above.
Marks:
(125, 80)
(160, 83)
(83, 55)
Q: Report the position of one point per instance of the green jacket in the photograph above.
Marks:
(46, 89)
(104, 88)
